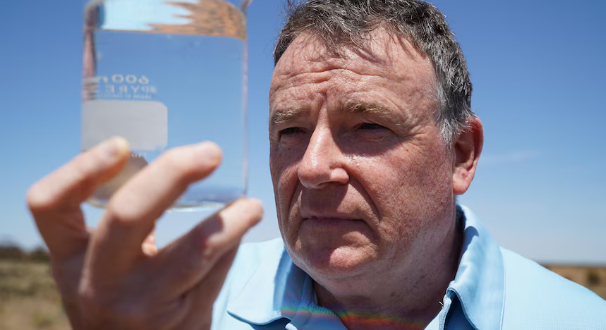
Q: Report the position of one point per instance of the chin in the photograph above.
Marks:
(336, 262)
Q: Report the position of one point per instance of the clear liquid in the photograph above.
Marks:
(161, 91)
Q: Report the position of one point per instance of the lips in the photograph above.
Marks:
(332, 223)
(331, 218)
(327, 227)
(308, 214)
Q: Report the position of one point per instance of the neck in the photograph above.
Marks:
(408, 300)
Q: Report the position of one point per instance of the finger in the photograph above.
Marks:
(132, 211)
(149, 245)
(202, 297)
(55, 200)
(184, 263)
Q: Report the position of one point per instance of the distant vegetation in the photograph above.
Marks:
(10, 251)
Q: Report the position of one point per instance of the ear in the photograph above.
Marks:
(467, 151)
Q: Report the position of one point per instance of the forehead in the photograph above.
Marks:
(389, 58)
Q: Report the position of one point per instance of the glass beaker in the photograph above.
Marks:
(164, 74)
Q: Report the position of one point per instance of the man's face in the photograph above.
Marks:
(361, 175)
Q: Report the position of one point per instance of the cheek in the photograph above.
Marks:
(282, 161)
(409, 185)
(283, 169)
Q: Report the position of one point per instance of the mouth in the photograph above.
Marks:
(332, 222)
(329, 217)
(343, 219)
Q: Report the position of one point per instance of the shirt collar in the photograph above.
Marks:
(479, 283)
(279, 289)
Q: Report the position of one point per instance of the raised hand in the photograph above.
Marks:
(111, 278)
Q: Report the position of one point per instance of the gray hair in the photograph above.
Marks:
(348, 22)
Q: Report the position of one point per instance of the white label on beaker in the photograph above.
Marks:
(143, 123)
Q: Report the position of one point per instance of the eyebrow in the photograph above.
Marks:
(358, 107)
(351, 106)
(282, 116)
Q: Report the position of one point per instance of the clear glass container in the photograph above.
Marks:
(164, 74)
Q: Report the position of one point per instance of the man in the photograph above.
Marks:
(372, 138)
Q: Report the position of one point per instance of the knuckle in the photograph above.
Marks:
(122, 210)
(112, 310)
(121, 213)
(41, 199)
(176, 159)
(200, 254)
(242, 215)
(179, 163)
(208, 248)
(91, 303)
(82, 164)
(204, 250)
(209, 251)
(38, 199)
(59, 188)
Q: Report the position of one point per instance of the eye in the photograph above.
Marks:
(370, 126)
(291, 131)
(371, 132)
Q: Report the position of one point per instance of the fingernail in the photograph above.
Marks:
(209, 151)
(115, 147)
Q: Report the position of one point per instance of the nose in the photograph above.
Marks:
(323, 162)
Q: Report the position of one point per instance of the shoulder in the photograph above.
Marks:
(536, 298)
(251, 254)
(250, 259)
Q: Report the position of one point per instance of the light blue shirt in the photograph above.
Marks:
(494, 289)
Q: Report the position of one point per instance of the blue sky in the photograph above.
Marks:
(538, 73)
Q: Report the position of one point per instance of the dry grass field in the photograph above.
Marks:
(29, 299)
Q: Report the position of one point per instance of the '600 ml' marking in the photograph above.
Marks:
(126, 87)
(131, 79)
